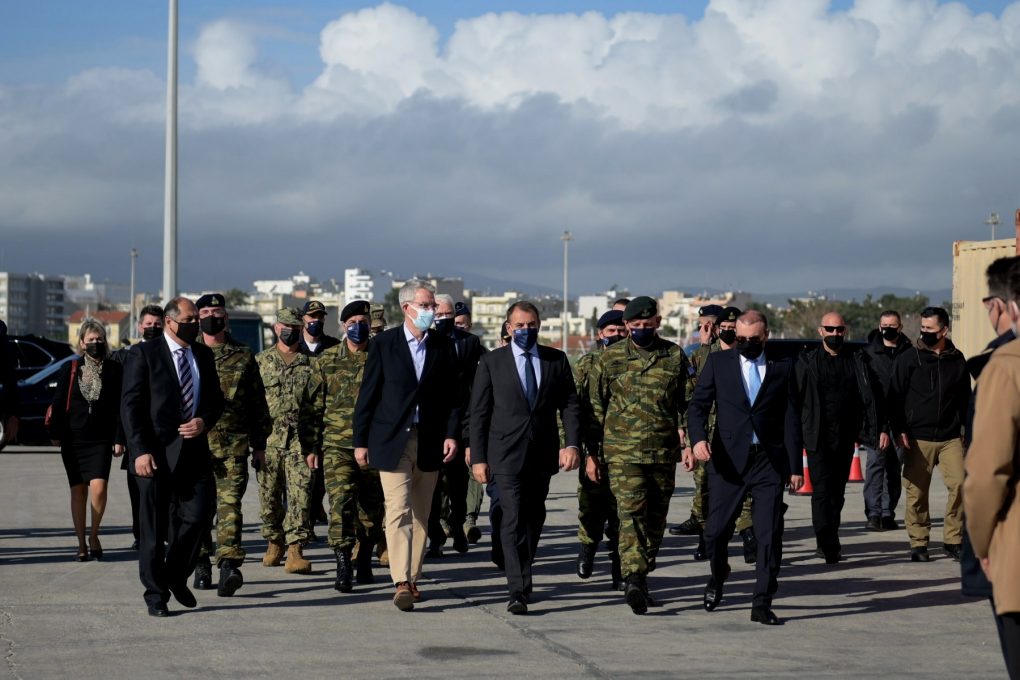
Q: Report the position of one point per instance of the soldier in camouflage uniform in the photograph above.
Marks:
(245, 423)
(596, 505)
(327, 432)
(377, 324)
(285, 479)
(637, 392)
(724, 336)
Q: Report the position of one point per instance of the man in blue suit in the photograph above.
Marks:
(756, 448)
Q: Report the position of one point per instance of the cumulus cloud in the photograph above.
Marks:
(815, 148)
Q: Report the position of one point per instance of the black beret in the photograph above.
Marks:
(210, 300)
(460, 308)
(711, 310)
(730, 314)
(314, 307)
(354, 309)
(614, 317)
(642, 307)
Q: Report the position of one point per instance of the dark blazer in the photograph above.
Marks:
(105, 413)
(390, 390)
(504, 429)
(469, 350)
(151, 402)
(773, 416)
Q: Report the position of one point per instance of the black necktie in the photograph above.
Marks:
(187, 385)
(530, 382)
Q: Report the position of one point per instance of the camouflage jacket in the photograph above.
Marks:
(698, 359)
(591, 432)
(245, 421)
(327, 409)
(285, 386)
(638, 401)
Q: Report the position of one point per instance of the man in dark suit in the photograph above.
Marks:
(406, 422)
(756, 447)
(171, 399)
(518, 391)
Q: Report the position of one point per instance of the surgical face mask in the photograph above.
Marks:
(612, 340)
(833, 342)
(423, 318)
(728, 336)
(751, 349)
(930, 338)
(212, 325)
(358, 333)
(525, 338)
(444, 326)
(187, 332)
(642, 337)
(152, 332)
(890, 334)
(96, 350)
(290, 336)
(314, 328)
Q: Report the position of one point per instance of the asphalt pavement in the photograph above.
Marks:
(874, 615)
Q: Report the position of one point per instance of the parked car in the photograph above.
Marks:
(36, 394)
(32, 353)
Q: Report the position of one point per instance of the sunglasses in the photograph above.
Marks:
(834, 329)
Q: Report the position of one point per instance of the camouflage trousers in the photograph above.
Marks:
(356, 504)
(642, 501)
(285, 496)
(231, 475)
(475, 493)
(699, 501)
(596, 510)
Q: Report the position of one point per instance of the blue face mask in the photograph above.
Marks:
(314, 329)
(423, 320)
(525, 338)
(642, 337)
(358, 333)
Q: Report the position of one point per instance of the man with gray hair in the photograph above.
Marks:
(406, 422)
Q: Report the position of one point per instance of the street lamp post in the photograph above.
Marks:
(566, 238)
(133, 333)
(993, 221)
(170, 186)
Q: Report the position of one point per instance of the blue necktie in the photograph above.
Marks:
(530, 382)
(753, 382)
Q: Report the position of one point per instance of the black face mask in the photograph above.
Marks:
(96, 350)
(290, 336)
(930, 338)
(187, 332)
(751, 350)
(152, 332)
(728, 336)
(444, 326)
(612, 340)
(890, 334)
(213, 325)
(833, 342)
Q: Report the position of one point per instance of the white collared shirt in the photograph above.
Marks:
(417, 349)
(196, 379)
(746, 366)
(521, 361)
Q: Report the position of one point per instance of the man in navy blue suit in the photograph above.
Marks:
(756, 448)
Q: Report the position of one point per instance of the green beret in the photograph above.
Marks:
(642, 307)
(210, 300)
(354, 309)
(289, 316)
(730, 314)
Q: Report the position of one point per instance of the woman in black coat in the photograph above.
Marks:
(84, 422)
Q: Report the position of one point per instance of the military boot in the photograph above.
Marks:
(614, 560)
(230, 578)
(343, 570)
(586, 560)
(296, 562)
(364, 564)
(274, 553)
(634, 593)
(203, 574)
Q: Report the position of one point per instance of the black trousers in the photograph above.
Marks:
(1009, 638)
(175, 506)
(495, 523)
(522, 503)
(726, 490)
(132, 485)
(830, 468)
(453, 485)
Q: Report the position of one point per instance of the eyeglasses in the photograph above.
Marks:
(835, 329)
(424, 306)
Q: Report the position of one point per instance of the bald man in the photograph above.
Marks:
(837, 404)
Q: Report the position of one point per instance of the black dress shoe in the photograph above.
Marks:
(473, 534)
(875, 524)
(203, 575)
(750, 545)
(159, 610)
(701, 552)
(517, 605)
(435, 550)
(919, 554)
(714, 591)
(460, 542)
(954, 550)
(634, 594)
(765, 616)
(183, 595)
(889, 524)
(585, 560)
(230, 578)
(134, 544)
(689, 527)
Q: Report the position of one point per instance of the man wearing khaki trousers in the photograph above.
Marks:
(406, 421)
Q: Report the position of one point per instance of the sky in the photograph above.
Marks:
(762, 145)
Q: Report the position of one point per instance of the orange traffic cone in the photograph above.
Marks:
(807, 489)
(855, 467)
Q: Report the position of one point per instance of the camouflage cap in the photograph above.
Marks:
(354, 309)
(289, 316)
(314, 307)
(711, 310)
(641, 307)
(210, 300)
(729, 314)
(378, 315)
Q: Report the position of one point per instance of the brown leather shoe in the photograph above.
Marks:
(274, 554)
(415, 592)
(403, 599)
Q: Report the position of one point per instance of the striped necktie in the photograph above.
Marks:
(187, 385)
